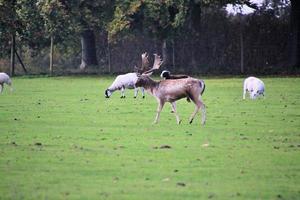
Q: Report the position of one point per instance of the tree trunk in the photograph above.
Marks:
(173, 55)
(12, 55)
(51, 57)
(194, 27)
(242, 45)
(108, 56)
(295, 34)
(88, 49)
(164, 50)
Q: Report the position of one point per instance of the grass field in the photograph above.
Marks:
(61, 139)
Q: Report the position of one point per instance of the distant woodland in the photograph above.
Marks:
(106, 36)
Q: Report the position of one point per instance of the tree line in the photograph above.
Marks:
(108, 36)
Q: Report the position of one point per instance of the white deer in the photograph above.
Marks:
(127, 81)
(4, 78)
(254, 86)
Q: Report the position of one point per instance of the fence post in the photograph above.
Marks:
(241, 43)
(173, 54)
(12, 55)
(108, 56)
(51, 57)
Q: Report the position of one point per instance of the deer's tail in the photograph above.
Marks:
(202, 85)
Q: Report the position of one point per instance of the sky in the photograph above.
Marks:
(242, 9)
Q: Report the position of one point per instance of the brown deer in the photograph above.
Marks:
(167, 75)
(171, 90)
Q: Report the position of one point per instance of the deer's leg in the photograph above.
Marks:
(252, 95)
(194, 113)
(175, 112)
(1, 88)
(123, 92)
(203, 114)
(143, 92)
(136, 90)
(199, 104)
(159, 108)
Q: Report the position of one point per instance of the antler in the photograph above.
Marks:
(145, 64)
(157, 63)
(145, 61)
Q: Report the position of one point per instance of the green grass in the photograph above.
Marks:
(61, 139)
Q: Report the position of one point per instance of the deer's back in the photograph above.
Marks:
(172, 90)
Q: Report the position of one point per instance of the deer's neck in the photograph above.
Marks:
(151, 86)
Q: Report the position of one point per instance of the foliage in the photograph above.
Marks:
(21, 18)
(185, 23)
(59, 143)
(56, 17)
(31, 32)
(35, 21)
(159, 19)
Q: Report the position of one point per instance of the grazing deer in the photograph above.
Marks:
(128, 81)
(171, 90)
(254, 86)
(4, 78)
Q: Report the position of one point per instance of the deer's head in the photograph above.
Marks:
(144, 74)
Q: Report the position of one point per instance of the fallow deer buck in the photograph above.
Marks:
(171, 90)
